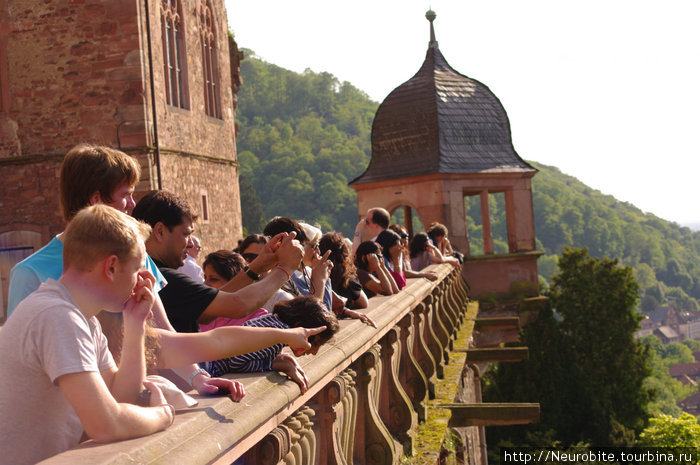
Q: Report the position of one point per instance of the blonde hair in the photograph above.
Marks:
(87, 169)
(99, 231)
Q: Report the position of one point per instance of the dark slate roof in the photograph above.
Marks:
(440, 121)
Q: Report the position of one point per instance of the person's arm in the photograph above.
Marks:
(384, 276)
(437, 257)
(126, 381)
(240, 303)
(103, 418)
(320, 272)
(288, 365)
(361, 302)
(360, 229)
(178, 349)
(23, 281)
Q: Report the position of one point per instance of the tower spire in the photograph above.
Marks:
(430, 16)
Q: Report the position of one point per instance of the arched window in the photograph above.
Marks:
(210, 64)
(174, 54)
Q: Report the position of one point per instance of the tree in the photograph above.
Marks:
(596, 300)
(251, 208)
(585, 368)
(667, 431)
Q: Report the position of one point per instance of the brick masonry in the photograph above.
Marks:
(77, 71)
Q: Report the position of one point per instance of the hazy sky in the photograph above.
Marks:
(607, 91)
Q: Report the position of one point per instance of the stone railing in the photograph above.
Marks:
(368, 391)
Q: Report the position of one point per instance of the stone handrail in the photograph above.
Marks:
(367, 392)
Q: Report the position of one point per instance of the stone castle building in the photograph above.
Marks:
(157, 79)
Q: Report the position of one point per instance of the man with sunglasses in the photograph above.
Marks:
(368, 228)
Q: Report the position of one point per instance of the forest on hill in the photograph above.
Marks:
(304, 136)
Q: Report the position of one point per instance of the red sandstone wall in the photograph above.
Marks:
(74, 72)
(188, 177)
(193, 130)
(77, 71)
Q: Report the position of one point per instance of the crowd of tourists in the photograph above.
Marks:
(119, 296)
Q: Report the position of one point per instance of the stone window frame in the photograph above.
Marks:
(204, 205)
(210, 62)
(174, 54)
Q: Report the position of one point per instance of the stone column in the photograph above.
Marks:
(394, 405)
(373, 442)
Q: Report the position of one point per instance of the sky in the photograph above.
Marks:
(607, 91)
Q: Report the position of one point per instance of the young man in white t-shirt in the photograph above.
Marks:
(57, 376)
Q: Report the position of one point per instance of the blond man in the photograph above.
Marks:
(57, 376)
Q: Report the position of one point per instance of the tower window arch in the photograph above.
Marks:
(210, 63)
(174, 54)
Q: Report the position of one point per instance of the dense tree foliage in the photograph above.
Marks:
(667, 431)
(665, 256)
(585, 368)
(668, 391)
(303, 137)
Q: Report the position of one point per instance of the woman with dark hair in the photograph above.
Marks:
(423, 252)
(219, 268)
(306, 312)
(251, 246)
(393, 255)
(343, 276)
(438, 234)
(408, 270)
(372, 272)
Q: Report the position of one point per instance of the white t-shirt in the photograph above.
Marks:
(47, 336)
(191, 269)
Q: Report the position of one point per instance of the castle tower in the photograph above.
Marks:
(438, 138)
(155, 78)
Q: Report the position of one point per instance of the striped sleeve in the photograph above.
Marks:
(260, 360)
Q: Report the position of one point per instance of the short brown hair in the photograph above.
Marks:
(87, 169)
(99, 231)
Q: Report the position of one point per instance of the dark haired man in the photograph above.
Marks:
(189, 303)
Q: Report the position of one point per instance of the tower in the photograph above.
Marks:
(438, 138)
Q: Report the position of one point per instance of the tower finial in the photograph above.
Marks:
(430, 16)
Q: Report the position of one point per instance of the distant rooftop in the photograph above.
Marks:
(440, 121)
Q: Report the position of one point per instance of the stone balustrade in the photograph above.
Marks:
(368, 391)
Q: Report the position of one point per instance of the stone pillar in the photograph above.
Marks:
(373, 442)
(411, 376)
(394, 405)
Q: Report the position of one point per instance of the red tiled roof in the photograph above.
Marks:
(680, 369)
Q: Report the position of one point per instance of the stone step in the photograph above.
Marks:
(497, 354)
(497, 323)
(493, 414)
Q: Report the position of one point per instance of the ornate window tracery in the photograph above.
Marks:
(174, 54)
(210, 63)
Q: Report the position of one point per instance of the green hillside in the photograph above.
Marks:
(303, 137)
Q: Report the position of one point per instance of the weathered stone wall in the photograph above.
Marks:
(28, 197)
(190, 176)
(74, 72)
(192, 130)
